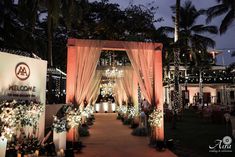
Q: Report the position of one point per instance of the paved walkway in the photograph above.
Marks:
(110, 138)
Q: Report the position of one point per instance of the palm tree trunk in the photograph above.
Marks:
(176, 64)
(177, 11)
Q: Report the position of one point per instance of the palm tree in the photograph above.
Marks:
(192, 41)
(226, 7)
(176, 64)
(194, 44)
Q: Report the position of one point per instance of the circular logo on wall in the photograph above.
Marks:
(22, 71)
(227, 140)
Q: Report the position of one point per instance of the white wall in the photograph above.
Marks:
(194, 90)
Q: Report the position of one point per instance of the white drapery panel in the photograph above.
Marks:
(141, 57)
(88, 53)
(93, 92)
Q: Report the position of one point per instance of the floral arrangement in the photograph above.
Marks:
(123, 109)
(15, 115)
(88, 111)
(155, 118)
(59, 124)
(132, 112)
(69, 118)
(7, 121)
(74, 118)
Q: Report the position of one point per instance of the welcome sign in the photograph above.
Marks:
(23, 78)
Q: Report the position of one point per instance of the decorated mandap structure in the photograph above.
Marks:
(146, 61)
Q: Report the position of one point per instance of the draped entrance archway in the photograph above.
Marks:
(146, 60)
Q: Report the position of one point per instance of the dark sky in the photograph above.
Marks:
(224, 42)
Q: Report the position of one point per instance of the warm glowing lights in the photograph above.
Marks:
(106, 106)
(132, 112)
(113, 73)
(113, 107)
(122, 109)
(97, 107)
(155, 118)
(16, 115)
(74, 118)
(59, 124)
(107, 88)
(88, 111)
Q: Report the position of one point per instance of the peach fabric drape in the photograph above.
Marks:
(93, 91)
(127, 82)
(141, 57)
(120, 94)
(88, 53)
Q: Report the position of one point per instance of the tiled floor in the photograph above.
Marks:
(110, 138)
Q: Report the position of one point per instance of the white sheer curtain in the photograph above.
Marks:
(141, 57)
(88, 53)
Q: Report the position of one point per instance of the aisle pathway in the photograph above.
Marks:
(110, 138)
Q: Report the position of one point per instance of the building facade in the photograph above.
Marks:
(213, 86)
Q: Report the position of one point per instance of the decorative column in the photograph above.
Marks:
(71, 68)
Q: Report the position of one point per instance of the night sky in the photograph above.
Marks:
(224, 42)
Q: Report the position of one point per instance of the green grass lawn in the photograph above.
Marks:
(193, 135)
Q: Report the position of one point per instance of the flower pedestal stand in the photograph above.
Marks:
(3, 146)
(59, 140)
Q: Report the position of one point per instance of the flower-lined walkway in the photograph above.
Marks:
(110, 138)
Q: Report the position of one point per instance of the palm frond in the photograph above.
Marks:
(233, 54)
(204, 29)
(215, 11)
(227, 21)
(166, 29)
(203, 41)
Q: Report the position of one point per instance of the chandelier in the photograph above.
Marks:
(113, 73)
